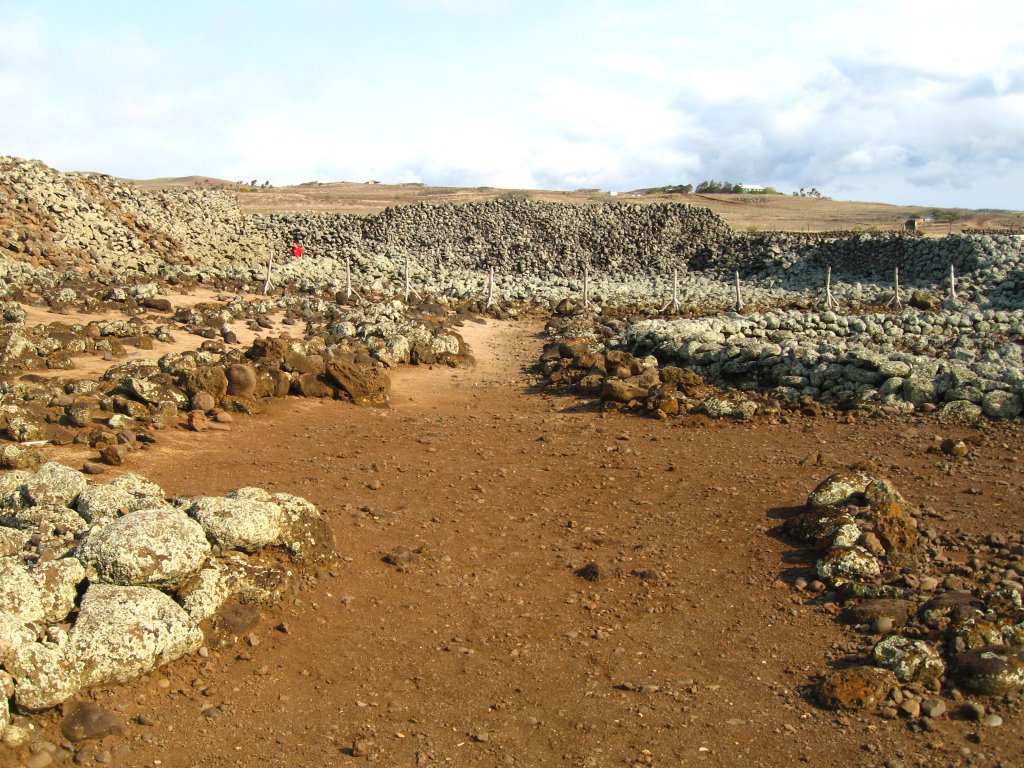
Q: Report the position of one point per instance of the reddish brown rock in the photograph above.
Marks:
(856, 688)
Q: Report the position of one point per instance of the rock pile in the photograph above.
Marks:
(93, 225)
(943, 614)
(120, 411)
(100, 584)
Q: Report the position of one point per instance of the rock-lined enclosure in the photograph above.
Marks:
(63, 230)
(86, 242)
(66, 227)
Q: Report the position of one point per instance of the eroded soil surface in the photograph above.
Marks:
(481, 645)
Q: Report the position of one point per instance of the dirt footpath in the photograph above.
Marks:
(482, 643)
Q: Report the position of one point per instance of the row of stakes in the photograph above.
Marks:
(674, 303)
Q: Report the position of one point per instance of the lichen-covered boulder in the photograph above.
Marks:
(307, 536)
(912, 661)
(99, 503)
(44, 593)
(14, 456)
(999, 404)
(124, 632)
(843, 564)
(43, 676)
(718, 408)
(992, 670)
(951, 607)
(13, 633)
(205, 592)
(856, 688)
(12, 540)
(153, 547)
(138, 486)
(239, 523)
(11, 485)
(48, 520)
(55, 484)
(838, 488)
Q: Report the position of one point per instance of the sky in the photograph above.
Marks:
(905, 102)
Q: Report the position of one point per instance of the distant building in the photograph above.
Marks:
(913, 224)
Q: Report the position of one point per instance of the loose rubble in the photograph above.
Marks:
(942, 625)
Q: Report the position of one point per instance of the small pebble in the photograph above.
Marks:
(991, 720)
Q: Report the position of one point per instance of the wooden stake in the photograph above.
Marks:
(270, 269)
(586, 286)
(739, 299)
(675, 293)
(490, 288)
(952, 283)
(349, 291)
(830, 300)
(896, 296)
(408, 284)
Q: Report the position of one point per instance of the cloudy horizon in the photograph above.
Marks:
(912, 103)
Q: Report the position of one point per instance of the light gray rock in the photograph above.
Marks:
(11, 487)
(999, 404)
(44, 593)
(154, 547)
(838, 488)
(100, 503)
(138, 486)
(124, 632)
(239, 523)
(13, 633)
(912, 661)
(43, 676)
(842, 564)
(55, 484)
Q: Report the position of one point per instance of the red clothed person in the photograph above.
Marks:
(298, 251)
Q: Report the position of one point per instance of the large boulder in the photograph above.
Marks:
(364, 384)
(153, 547)
(44, 593)
(13, 633)
(124, 632)
(239, 523)
(43, 676)
(241, 380)
(912, 661)
(992, 670)
(54, 484)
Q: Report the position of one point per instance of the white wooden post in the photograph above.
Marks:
(270, 269)
(952, 283)
(739, 299)
(675, 293)
(490, 288)
(586, 286)
(408, 284)
(830, 300)
(896, 296)
(349, 291)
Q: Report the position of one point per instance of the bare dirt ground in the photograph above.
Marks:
(483, 647)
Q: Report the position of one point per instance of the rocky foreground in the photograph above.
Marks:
(747, 335)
